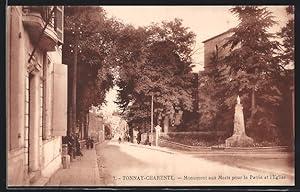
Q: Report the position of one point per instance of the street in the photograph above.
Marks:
(129, 164)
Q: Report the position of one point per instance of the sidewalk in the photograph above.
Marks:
(82, 172)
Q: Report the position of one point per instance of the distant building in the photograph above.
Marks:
(213, 47)
(96, 126)
(36, 92)
(114, 120)
(123, 128)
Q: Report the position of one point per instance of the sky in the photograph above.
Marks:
(204, 21)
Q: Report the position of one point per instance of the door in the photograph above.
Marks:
(33, 131)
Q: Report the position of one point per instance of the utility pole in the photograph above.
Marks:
(73, 109)
(152, 118)
(74, 83)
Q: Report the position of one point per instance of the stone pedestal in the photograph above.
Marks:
(157, 134)
(239, 141)
(239, 137)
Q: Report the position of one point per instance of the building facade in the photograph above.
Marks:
(96, 125)
(36, 92)
(214, 47)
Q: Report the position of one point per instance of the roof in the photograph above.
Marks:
(228, 31)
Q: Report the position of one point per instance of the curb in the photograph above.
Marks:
(97, 174)
(241, 167)
(225, 149)
(41, 181)
(154, 148)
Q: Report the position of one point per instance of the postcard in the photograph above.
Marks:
(161, 95)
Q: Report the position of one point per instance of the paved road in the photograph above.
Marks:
(130, 165)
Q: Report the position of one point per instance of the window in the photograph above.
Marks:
(59, 23)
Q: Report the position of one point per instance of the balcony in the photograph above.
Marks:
(34, 20)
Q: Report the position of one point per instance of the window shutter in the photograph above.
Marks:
(59, 23)
(60, 100)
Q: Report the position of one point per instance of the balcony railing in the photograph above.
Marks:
(44, 11)
(36, 17)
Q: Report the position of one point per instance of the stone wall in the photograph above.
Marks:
(51, 156)
(16, 168)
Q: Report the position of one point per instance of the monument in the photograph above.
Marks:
(239, 137)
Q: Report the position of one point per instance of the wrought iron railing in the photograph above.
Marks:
(44, 11)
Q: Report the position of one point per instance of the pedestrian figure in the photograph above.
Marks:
(78, 148)
(88, 143)
(119, 140)
(139, 137)
(92, 143)
(148, 142)
(67, 140)
(70, 142)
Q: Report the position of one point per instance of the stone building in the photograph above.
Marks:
(36, 92)
(96, 125)
(123, 128)
(213, 46)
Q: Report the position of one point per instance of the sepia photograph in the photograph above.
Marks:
(128, 96)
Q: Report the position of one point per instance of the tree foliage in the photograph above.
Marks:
(159, 63)
(287, 33)
(253, 70)
(96, 34)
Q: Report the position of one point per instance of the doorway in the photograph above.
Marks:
(33, 130)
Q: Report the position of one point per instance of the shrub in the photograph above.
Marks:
(208, 139)
(196, 138)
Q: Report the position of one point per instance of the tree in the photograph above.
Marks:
(287, 56)
(94, 34)
(213, 85)
(254, 70)
(159, 64)
(287, 33)
(208, 106)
